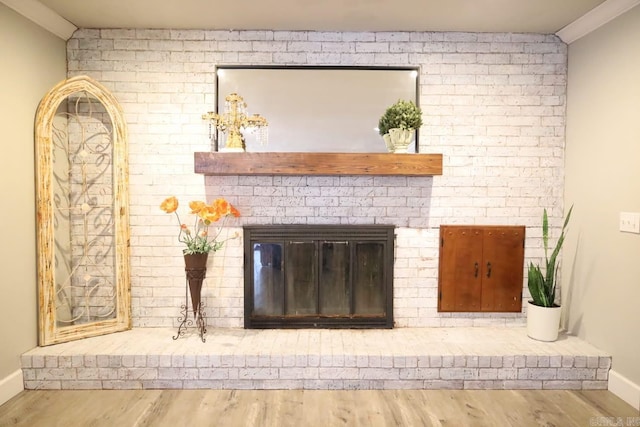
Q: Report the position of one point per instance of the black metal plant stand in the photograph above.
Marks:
(193, 286)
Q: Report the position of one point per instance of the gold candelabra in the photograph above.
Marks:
(234, 120)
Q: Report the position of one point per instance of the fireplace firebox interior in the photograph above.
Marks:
(302, 276)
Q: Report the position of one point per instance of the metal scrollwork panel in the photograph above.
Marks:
(83, 229)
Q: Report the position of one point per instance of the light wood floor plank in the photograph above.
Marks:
(479, 409)
(523, 409)
(606, 403)
(282, 408)
(555, 408)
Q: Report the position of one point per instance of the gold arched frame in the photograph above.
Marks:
(51, 331)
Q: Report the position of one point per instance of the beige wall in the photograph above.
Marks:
(602, 265)
(33, 60)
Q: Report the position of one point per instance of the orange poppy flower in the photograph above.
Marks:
(196, 206)
(169, 205)
(221, 206)
(209, 214)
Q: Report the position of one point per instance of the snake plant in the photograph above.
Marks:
(542, 287)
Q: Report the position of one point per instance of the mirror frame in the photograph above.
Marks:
(262, 77)
(49, 332)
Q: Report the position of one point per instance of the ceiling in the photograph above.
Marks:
(530, 16)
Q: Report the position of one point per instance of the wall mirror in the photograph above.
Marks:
(317, 109)
(82, 213)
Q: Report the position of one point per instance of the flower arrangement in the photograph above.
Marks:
(198, 240)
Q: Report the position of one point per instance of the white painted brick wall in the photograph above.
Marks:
(494, 106)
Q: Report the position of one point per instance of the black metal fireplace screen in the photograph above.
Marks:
(313, 276)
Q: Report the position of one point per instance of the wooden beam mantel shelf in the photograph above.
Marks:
(279, 163)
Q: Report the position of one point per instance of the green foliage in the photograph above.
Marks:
(543, 286)
(403, 115)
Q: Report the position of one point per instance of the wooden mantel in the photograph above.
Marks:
(279, 163)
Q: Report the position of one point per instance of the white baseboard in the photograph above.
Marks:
(11, 385)
(625, 389)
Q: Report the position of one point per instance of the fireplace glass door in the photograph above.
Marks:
(313, 276)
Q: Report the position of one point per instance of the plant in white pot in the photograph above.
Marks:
(543, 314)
(398, 125)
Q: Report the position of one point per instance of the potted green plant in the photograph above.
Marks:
(400, 122)
(543, 313)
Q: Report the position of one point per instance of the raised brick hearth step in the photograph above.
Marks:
(402, 358)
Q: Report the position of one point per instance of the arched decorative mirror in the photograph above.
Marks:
(82, 213)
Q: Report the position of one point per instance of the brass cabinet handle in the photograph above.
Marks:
(488, 269)
(476, 267)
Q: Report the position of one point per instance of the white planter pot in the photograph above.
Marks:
(387, 141)
(401, 138)
(543, 323)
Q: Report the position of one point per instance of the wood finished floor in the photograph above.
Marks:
(176, 408)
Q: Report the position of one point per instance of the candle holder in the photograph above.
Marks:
(234, 121)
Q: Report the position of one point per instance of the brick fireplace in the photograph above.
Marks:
(493, 104)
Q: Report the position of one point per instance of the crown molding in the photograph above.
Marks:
(43, 16)
(594, 19)
(598, 16)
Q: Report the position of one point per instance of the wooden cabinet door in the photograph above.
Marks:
(503, 266)
(481, 268)
(460, 264)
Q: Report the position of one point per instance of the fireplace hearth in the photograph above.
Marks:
(315, 276)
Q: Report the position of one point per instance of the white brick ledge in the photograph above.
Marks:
(403, 358)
